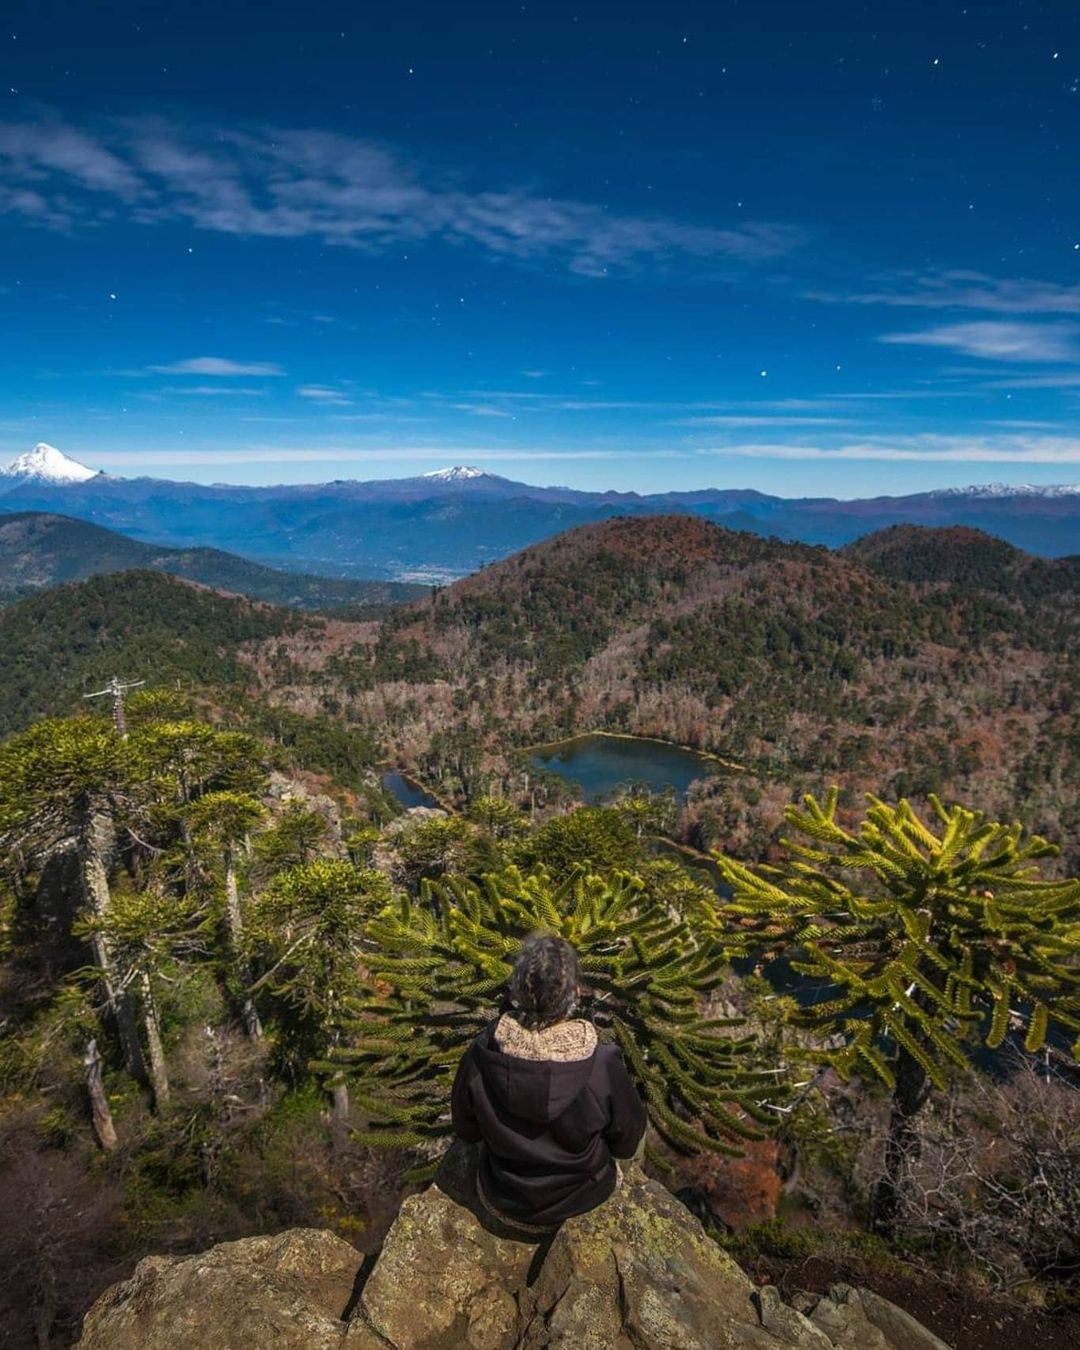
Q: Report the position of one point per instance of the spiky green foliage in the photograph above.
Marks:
(306, 931)
(147, 929)
(54, 772)
(224, 818)
(439, 965)
(929, 935)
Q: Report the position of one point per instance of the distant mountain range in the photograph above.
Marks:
(39, 550)
(443, 524)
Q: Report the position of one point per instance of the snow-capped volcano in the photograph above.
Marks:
(1011, 490)
(459, 473)
(46, 464)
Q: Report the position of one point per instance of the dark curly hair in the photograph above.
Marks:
(543, 985)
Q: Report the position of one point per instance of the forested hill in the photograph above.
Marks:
(38, 549)
(964, 557)
(917, 661)
(56, 646)
(803, 664)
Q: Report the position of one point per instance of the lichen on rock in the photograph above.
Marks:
(638, 1273)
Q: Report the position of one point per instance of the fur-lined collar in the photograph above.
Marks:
(562, 1043)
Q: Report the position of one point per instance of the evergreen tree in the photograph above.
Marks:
(929, 939)
(308, 928)
(146, 930)
(71, 779)
(593, 837)
(433, 846)
(648, 812)
(294, 839)
(438, 966)
(224, 820)
(500, 817)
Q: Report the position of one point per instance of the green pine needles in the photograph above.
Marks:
(438, 967)
(930, 936)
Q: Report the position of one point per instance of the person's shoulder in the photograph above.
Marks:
(485, 1036)
(608, 1052)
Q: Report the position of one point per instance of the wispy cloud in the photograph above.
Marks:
(1061, 379)
(755, 420)
(219, 391)
(292, 184)
(971, 449)
(998, 340)
(964, 290)
(325, 394)
(482, 409)
(346, 454)
(218, 366)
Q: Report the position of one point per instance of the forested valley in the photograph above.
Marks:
(853, 1017)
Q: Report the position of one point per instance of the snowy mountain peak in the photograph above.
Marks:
(459, 473)
(1012, 490)
(46, 464)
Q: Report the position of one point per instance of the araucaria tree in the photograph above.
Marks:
(932, 937)
(70, 779)
(438, 967)
(223, 821)
(308, 929)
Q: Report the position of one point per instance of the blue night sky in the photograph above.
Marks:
(826, 248)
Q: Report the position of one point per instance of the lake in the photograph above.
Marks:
(603, 764)
(408, 794)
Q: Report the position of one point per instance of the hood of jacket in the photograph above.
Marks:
(537, 1090)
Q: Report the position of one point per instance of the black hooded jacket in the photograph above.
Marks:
(550, 1130)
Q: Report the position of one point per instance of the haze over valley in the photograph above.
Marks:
(446, 523)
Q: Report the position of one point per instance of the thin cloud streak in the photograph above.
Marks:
(324, 394)
(218, 366)
(292, 184)
(481, 410)
(998, 340)
(1018, 450)
(216, 391)
(959, 289)
(272, 454)
(735, 420)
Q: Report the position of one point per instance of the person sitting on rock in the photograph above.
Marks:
(550, 1106)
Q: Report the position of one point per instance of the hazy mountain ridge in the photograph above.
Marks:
(38, 549)
(446, 524)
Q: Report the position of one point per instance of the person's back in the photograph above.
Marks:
(551, 1107)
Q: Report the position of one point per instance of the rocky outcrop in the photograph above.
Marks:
(283, 791)
(287, 1291)
(637, 1272)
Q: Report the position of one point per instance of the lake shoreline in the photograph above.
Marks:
(387, 767)
(630, 736)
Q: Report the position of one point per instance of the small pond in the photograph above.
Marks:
(404, 792)
(602, 764)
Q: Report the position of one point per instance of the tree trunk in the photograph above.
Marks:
(340, 1091)
(99, 1103)
(901, 1143)
(339, 1114)
(159, 1073)
(92, 836)
(235, 920)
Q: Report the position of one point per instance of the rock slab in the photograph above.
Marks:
(639, 1273)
